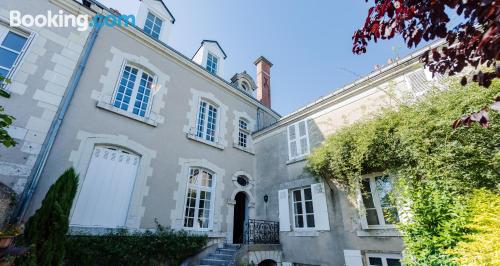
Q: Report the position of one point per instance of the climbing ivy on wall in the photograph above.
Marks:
(436, 168)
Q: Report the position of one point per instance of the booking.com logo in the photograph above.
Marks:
(61, 20)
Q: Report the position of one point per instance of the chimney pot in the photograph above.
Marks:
(264, 80)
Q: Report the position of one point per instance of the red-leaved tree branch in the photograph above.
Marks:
(475, 41)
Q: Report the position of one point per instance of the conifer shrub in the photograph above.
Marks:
(46, 230)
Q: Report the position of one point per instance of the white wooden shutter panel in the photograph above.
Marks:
(304, 142)
(106, 190)
(353, 258)
(292, 142)
(320, 207)
(361, 209)
(284, 210)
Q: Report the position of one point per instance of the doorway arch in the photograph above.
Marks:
(240, 217)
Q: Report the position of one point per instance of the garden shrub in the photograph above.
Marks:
(45, 232)
(140, 248)
(436, 168)
(481, 246)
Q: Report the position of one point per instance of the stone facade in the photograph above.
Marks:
(170, 145)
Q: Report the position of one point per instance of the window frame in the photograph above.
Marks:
(4, 31)
(199, 188)
(297, 140)
(243, 131)
(376, 203)
(209, 68)
(157, 17)
(303, 205)
(383, 256)
(133, 97)
(209, 104)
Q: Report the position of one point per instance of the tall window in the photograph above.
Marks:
(376, 259)
(303, 209)
(212, 62)
(379, 206)
(243, 133)
(132, 95)
(198, 199)
(153, 25)
(11, 47)
(207, 121)
(298, 140)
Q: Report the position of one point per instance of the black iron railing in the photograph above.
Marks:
(262, 232)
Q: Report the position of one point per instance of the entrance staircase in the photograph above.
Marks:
(222, 256)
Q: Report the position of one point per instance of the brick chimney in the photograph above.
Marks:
(264, 80)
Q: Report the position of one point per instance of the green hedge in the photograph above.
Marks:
(436, 168)
(141, 248)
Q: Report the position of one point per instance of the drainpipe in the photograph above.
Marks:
(55, 126)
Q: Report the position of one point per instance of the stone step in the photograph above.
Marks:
(221, 256)
(226, 251)
(214, 262)
(232, 246)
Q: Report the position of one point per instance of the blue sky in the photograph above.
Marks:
(309, 42)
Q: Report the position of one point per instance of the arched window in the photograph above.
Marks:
(199, 197)
(245, 86)
(134, 90)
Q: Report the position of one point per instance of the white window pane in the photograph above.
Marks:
(14, 41)
(304, 148)
(291, 132)
(125, 89)
(302, 128)
(7, 58)
(293, 149)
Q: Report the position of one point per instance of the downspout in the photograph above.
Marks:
(55, 126)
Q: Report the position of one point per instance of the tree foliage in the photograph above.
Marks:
(436, 167)
(481, 246)
(140, 248)
(474, 41)
(46, 231)
(5, 119)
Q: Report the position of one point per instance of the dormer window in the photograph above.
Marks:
(153, 25)
(245, 86)
(212, 62)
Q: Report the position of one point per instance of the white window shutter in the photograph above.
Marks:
(353, 257)
(284, 210)
(361, 209)
(284, 263)
(320, 208)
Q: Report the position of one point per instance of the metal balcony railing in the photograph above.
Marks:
(262, 232)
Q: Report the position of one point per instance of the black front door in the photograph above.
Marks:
(239, 218)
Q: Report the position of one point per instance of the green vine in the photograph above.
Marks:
(436, 167)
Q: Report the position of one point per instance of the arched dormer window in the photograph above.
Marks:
(134, 90)
(245, 86)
